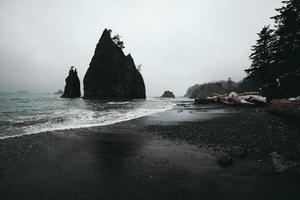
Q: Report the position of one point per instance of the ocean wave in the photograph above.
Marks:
(83, 118)
(118, 103)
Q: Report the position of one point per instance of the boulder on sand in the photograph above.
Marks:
(111, 74)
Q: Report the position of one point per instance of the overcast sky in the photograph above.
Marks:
(178, 42)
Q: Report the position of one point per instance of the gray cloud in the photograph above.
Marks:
(179, 43)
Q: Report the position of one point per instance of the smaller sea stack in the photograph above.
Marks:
(168, 94)
(72, 88)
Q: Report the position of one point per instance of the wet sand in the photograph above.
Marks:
(170, 155)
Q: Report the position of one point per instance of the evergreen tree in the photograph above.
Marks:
(287, 26)
(276, 56)
(139, 67)
(229, 84)
(262, 57)
(117, 41)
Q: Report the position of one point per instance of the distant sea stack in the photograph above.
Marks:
(168, 94)
(59, 92)
(72, 88)
(111, 74)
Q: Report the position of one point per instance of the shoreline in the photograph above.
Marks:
(82, 126)
(167, 155)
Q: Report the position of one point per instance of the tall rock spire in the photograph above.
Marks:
(72, 88)
(111, 74)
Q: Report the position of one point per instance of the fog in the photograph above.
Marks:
(178, 43)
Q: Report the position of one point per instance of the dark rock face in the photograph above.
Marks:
(168, 94)
(111, 74)
(72, 88)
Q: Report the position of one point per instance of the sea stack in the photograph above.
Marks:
(168, 94)
(111, 74)
(72, 88)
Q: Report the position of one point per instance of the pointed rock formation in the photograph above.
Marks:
(168, 94)
(72, 88)
(111, 74)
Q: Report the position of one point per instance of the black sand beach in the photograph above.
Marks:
(170, 155)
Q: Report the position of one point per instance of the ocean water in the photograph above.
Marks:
(23, 114)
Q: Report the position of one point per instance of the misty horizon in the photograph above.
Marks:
(149, 100)
(178, 44)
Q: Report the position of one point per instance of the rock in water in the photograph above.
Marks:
(72, 88)
(168, 94)
(59, 92)
(111, 74)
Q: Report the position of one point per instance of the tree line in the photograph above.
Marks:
(275, 57)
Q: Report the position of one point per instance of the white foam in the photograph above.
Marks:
(118, 103)
(87, 120)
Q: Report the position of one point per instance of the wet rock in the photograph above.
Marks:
(111, 74)
(72, 88)
(168, 94)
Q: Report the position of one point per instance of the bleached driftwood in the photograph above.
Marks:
(249, 98)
